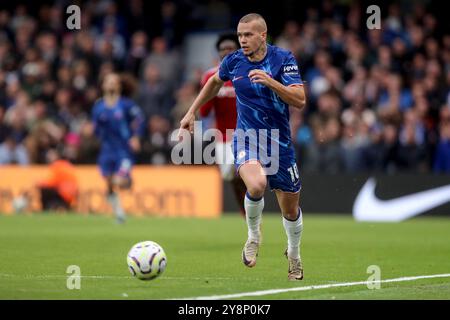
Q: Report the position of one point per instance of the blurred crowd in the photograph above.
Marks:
(378, 100)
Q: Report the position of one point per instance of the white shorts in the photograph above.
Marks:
(225, 160)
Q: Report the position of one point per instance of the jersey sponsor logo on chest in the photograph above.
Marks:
(105, 115)
(118, 115)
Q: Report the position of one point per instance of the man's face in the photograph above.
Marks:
(227, 47)
(251, 37)
(111, 83)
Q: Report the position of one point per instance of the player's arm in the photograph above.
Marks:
(94, 120)
(137, 126)
(293, 95)
(207, 107)
(209, 91)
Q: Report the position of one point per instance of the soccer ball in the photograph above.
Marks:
(146, 260)
(19, 204)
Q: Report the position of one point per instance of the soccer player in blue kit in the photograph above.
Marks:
(118, 123)
(267, 81)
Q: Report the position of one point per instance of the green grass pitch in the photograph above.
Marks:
(204, 257)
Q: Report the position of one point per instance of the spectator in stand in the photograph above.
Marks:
(137, 52)
(411, 153)
(324, 154)
(442, 156)
(156, 147)
(154, 93)
(167, 61)
(13, 152)
(357, 123)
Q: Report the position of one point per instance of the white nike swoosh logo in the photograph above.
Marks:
(237, 78)
(368, 207)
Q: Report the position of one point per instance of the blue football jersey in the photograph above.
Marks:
(259, 107)
(115, 125)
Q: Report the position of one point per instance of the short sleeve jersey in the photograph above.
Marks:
(115, 125)
(259, 107)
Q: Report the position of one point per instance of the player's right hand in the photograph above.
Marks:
(135, 144)
(187, 123)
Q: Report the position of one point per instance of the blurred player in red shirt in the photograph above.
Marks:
(224, 106)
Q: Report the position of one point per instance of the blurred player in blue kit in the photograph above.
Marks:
(267, 81)
(119, 124)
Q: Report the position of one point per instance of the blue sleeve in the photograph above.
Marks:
(224, 71)
(290, 73)
(136, 119)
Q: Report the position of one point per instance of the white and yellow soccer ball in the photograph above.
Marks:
(19, 204)
(146, 260)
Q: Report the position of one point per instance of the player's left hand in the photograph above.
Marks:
(260, 76)
(135, 144)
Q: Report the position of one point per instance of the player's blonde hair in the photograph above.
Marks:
(255, 17)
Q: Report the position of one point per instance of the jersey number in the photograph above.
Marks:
(294, 172)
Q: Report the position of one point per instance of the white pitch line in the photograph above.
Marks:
(313, 287)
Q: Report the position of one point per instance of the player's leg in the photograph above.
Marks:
(293, 226)
(121, 180)
(255, 180)
(122, 175)
(286, 183)
(48, 197)
(114, 200)
(108, 166)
